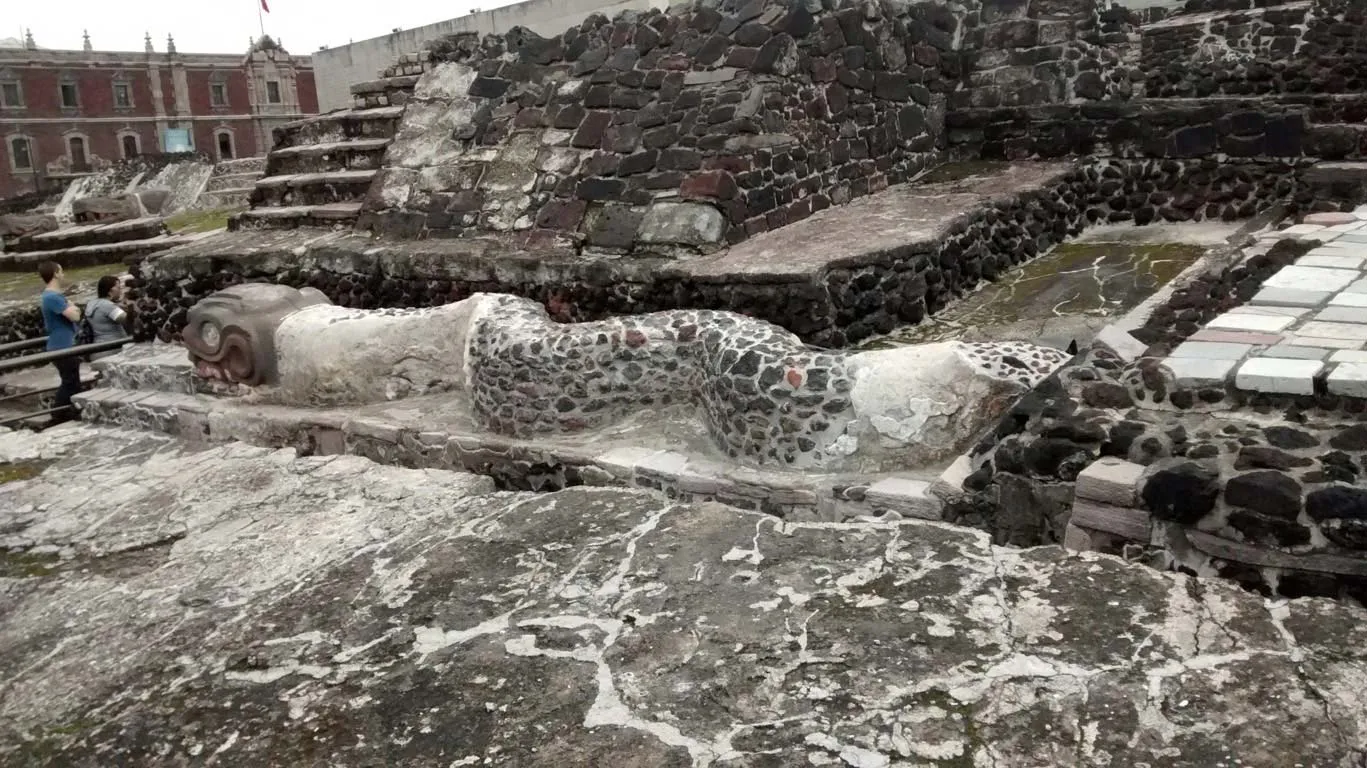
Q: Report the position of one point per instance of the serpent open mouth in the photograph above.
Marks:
(222, 354)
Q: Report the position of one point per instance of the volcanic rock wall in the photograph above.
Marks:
(668, 133)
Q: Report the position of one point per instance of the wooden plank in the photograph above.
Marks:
(1126, 522)
(1240, 552)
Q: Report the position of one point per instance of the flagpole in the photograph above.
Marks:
(260, 19)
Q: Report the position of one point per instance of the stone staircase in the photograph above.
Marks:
(320, 169)
(90, 244)
(232, 182)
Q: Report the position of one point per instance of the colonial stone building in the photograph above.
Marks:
(65, 112)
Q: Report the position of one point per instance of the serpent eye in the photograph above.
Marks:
(209, 334)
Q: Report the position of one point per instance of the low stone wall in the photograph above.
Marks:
(839, 305)
(1309, 126)
(1314, 47)
(19, 322)
(1274, 508)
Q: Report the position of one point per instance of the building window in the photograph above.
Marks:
(76, 152)
(11, 95)
(273, 92)
(69, 98)
(130, 145)
(21, 155)
(218, 94)
(123, 95)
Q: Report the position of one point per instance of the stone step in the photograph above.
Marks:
(376, 123)
(387, 91)
(225, 198)
(231, 181)
(290, 217)
(312, 188)
(90, 234)
(254, 165)
(92, 255)
(356, 154)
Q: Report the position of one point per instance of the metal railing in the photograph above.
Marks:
(44, 358)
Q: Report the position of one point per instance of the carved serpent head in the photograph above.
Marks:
(231, 334)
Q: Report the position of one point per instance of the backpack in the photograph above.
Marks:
(85, 332)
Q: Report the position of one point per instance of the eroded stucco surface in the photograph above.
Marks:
(239, 606)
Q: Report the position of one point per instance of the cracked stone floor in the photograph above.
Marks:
(168, 606)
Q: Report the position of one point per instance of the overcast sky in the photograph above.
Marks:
(220, 26)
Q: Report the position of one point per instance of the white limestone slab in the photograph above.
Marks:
(1327, 343)
(1359, 286)
(1281, 375)
(1336, 262)
(1212, 350)
(1348, 356)
(1273, 311)
(1291, 297)
(1294, 352)
(1247, 322)
(1342, 314)
(1198, 371)
(1347, 227)
(1299, 278)
(1301, 229)
(1347, 299)
(1354, 237)
(1333, 330)
(1349, 379)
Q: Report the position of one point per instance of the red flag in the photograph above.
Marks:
(265, 7)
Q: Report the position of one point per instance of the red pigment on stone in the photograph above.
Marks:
(635, 338)
(794, 377)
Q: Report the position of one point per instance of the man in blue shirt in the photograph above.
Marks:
(60, 318)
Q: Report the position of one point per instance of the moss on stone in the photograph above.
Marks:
(25, 565)
(208, 220)
(962, 170)
(22, 470)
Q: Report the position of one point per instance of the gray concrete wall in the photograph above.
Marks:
(336, 69)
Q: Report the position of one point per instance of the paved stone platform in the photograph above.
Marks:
(1304, 332)
(904, 219)
(169, 605)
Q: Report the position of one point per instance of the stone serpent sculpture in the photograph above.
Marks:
(765, 397)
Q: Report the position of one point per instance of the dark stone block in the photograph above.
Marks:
(679, 160)
(1183, 493)
(709, 184)
(591, 130)
(1290, 437)
(1261, 529)
(622, 138)
(488, 87)
(640, 162)
(1353, 438)
(561, 214)
(1266, 457)
(1284, 136)
(892, 86)
(1194, 141)
(614, 226)
(597, 188)
(1337, 502)
(1272, 493)
(753, 34)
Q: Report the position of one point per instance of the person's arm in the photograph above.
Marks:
(122, 316)
(72, 312)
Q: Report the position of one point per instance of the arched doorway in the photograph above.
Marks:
(225, 146)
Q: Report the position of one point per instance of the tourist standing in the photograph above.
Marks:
(110, 319)
(60, 318)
